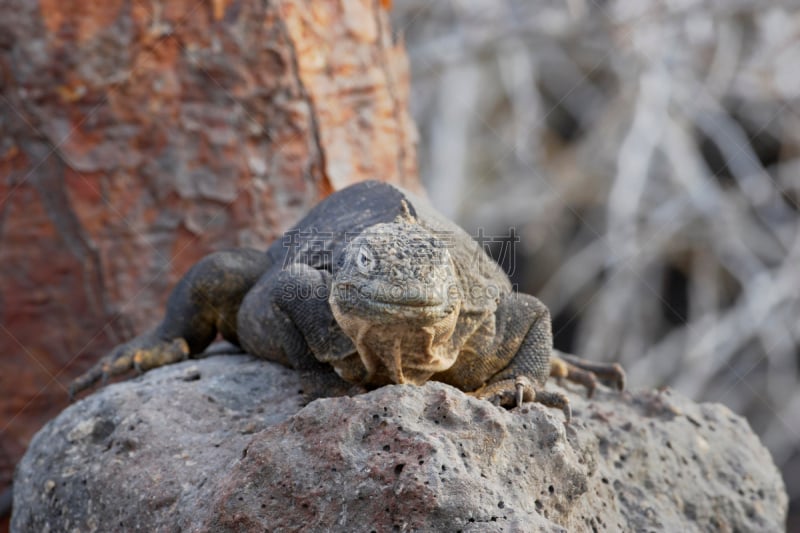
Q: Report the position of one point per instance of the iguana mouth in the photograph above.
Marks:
(417, 304)
(407, 303)
(413, 314)
(405, 309)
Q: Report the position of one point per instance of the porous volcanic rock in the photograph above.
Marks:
(224, 444)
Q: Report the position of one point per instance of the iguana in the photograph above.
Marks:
(372, 287)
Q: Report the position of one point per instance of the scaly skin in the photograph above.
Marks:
(372, 287)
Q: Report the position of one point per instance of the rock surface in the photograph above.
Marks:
(222, 444)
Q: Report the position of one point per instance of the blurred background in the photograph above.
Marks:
(647, 153)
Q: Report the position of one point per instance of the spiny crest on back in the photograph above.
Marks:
(405, 215)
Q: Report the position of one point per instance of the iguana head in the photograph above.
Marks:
(396, 295)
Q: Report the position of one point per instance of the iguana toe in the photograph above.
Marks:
(513, 392)
(508, 392)
(587, 373)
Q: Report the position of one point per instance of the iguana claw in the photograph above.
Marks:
(520, 391)
(513, 392)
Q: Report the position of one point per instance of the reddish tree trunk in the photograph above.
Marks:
(138, 136)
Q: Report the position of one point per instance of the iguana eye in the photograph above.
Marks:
(364, 260)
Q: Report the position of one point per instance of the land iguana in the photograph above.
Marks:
(372, 287)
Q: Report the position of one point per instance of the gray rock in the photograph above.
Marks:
(222, 444)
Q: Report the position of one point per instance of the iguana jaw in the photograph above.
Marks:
(399, 352)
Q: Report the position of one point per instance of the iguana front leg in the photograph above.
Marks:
(524, 339)
(204, 302)
(286, 318)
